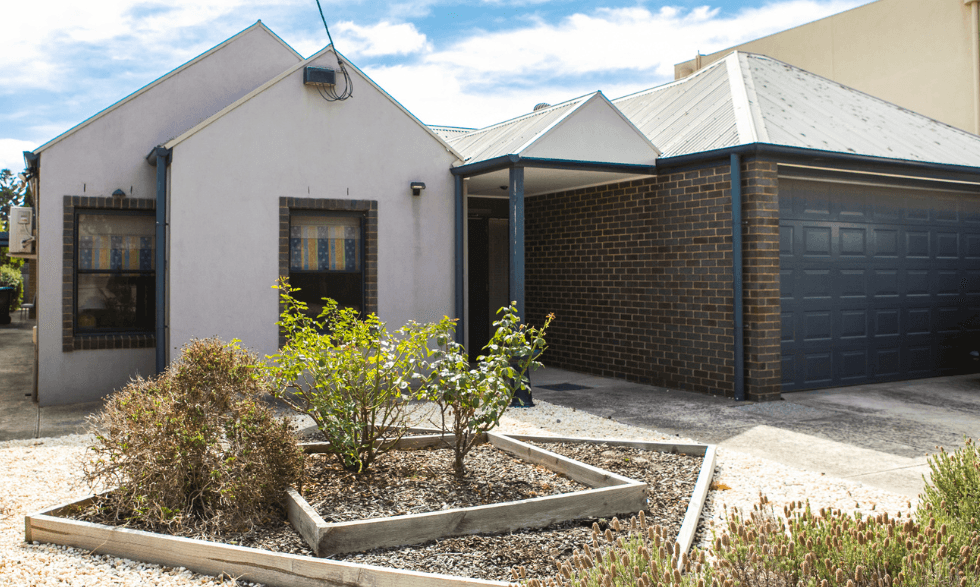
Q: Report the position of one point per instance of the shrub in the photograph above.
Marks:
(195, 446)
(11, 276)
(952, 494)
(471, 400)
(349, 374)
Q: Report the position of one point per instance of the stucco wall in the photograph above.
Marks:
(226, 181)
(916, 54)
(109, 153)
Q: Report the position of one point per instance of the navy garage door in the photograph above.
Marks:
(876, 283)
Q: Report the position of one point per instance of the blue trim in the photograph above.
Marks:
(736, 178)
(506, 161)
(460, 252)
(162, 159)
(516, 234)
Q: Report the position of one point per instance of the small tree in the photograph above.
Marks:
(348, 374)
(471, 400)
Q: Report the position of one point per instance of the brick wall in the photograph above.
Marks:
(639, 275)
(760, 246)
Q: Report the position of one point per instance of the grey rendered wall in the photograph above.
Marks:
(226, 181)
(109, 153)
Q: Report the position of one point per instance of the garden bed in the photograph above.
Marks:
(487, 555)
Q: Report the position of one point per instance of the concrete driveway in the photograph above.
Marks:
(877, 434)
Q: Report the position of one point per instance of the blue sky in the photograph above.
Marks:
(465, 63)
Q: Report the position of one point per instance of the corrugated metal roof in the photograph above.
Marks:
(802, 109)
(747, 98)
(509, 136)
(447, 132)
(688, 116)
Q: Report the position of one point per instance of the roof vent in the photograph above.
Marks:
(322, 76)
(542, 106)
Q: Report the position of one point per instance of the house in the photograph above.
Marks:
(856, 253)
(924, 56)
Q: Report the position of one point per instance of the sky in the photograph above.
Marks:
(465, 63)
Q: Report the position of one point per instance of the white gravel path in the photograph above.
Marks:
(35, 474)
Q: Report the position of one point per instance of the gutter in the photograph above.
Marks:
(975, 27)
(160, 157)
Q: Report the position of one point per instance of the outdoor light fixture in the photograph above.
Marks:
(119, 193)
(417, 187)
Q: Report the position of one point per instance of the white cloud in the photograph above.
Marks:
(495, 75)
(381, 39)
(12, 153)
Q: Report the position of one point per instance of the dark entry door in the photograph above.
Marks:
(876, 283)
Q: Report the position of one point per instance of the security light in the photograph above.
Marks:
(417, 187)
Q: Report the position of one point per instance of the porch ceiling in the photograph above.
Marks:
(543, 181)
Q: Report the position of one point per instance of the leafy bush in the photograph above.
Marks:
(349, 375)
(11, 276)
(195, 446)
(471, 400)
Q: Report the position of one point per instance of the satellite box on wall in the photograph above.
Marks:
(21, 230)
(323, 76)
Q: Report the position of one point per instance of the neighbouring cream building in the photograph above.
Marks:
(922, 55)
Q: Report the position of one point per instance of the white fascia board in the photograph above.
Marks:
(328, 49)
(160, 80)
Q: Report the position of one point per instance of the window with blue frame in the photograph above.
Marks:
(115, 276)
(326, 259)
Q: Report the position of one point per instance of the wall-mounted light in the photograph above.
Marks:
(119, 193)
(417, 187)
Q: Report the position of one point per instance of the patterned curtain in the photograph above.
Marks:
(325, 243)
(115, 242)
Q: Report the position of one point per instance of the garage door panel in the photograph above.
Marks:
(947, 245)
(884, 283)
(916, 244)
(816, 284)
(816, 241)
(886, 362)
(885, 242)
(853, 242)
(876, 283)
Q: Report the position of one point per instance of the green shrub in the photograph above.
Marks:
(11, 276)
(195, 446)
(938, 547)
(952, 494)
(350, 375)
(471, 400)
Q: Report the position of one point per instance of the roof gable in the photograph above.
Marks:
(588, 128)
(328, 50)
(255, 38)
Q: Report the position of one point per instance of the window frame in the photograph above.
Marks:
(366, 209)
(81, 331)
(71, 339)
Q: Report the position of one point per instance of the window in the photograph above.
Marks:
(326, 259)
(115, 277)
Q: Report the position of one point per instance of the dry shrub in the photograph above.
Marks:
(195, 446)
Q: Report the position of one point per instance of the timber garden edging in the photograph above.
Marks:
(277, 569)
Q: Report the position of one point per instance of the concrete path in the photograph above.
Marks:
(877, 434)
(20, 417)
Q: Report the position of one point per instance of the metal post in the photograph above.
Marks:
(162, 155)
(460, 285)
(516, 230)
(736, 175)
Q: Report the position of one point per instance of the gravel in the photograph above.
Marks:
(36, 474)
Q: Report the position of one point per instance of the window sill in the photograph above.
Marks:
(107, 341)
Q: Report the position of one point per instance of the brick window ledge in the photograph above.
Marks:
(94, 342)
